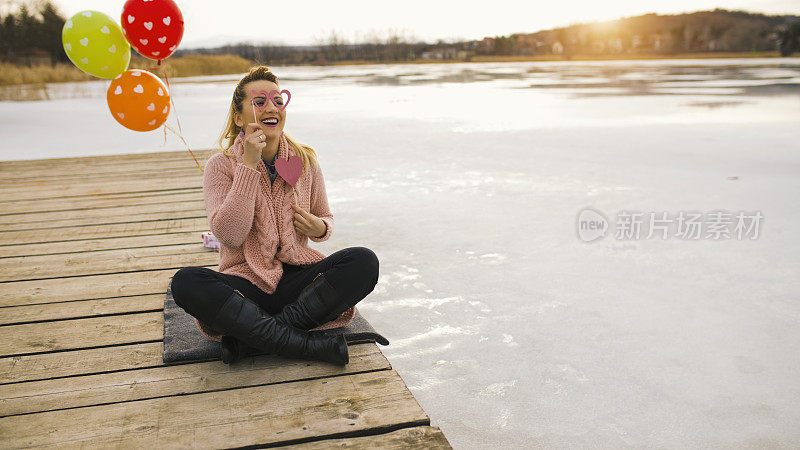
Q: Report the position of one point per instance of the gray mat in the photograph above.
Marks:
(183, 340)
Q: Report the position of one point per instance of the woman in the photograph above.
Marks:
(271, 289)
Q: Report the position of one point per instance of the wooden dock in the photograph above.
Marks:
(87, 249)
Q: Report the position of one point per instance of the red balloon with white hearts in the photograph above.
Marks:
(154, 28)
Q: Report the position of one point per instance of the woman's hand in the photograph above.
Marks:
(307, 223)
(254, 143)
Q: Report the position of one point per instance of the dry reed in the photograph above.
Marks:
(184, 66)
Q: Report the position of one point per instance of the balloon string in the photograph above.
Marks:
(166, 126)
(171, 99)
(154, 68)
(166, 78)
(178, 120)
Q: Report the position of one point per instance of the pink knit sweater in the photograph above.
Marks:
(253, 220)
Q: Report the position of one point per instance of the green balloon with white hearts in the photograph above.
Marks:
(95, 44)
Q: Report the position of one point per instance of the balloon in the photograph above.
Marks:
(138, 100)
(153, 27)
(95, 44)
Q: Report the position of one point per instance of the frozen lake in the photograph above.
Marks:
(467, 180)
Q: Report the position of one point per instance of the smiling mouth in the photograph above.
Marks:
(270, 122)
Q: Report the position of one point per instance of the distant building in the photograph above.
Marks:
(440, 53)
(558, 48)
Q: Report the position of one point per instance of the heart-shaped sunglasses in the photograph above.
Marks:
(260, 98)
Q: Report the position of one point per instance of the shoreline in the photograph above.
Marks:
(562, 58)
(70, 75)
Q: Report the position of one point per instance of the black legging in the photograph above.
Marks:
(352, 271)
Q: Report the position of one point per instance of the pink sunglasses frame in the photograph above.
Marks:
(271, 98)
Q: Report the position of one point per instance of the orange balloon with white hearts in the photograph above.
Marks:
(138, 100)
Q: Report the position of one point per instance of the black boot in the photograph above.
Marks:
(242, 319)
(234, 350)
(317, 304)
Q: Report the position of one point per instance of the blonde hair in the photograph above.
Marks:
(231, 130)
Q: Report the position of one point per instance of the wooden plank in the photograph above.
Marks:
(284, 413)
(427, 437)
(107, 261)
(130, 385)
(101, 212)
(43, 366)
(60, 219)
(81, 308)
(18, 293)
(55, 174)
(86, 189)
(103, 231)
(81, 333)
(91, 245)
(100, 201)
(69, 163)
(47, 184)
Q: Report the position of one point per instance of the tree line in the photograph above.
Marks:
(394, 46)
(703, 31)
(30, 33)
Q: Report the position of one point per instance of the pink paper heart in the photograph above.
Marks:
(289, 169)
(268, 95)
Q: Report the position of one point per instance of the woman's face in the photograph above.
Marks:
(268, 109)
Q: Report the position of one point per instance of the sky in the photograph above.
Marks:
(307, 22)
